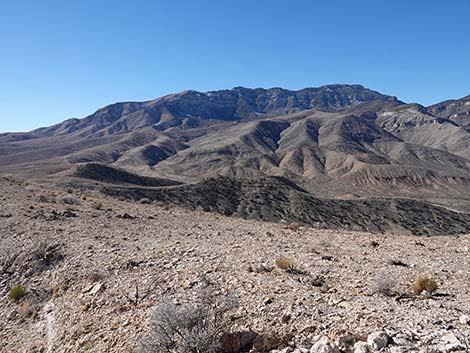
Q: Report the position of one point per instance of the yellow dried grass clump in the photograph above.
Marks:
(285, 263)
(425, 283)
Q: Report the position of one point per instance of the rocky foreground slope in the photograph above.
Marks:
(94, 267)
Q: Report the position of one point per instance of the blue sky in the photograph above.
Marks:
(63, 59)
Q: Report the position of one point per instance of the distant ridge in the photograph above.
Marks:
(339, 140)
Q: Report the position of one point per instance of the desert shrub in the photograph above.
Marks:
(46, 199)
(28, 310)
(17, 292)
(46, 253)
(386, 284)
(289, 266)
(397, 262)
(425, 283)
(284, 263)
(70, 200)
(293, 226)
(7, 259)
(97, 205)
(191, 328)
(318, 281)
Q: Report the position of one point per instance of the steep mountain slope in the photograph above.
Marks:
(102, 136)
(189, 109)
(414, 124)
(335, 140)
(311, 147)
(457, 111)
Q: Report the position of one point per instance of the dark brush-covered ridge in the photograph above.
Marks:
(103, 173)
(277, 199)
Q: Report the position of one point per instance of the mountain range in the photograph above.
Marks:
(336, 141)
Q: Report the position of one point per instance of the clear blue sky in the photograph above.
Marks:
(63, 59)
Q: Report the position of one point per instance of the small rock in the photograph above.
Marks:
(464, 319)
(346, 340)
(361, 347)
(378, 340)
(324, 345)
(97, 288)
(398, 349)
(125, 216)
(402, 340)
(268, 301)
(286, 318)
(450, 343)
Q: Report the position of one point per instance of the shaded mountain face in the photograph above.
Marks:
(336, 140)
(454, 110)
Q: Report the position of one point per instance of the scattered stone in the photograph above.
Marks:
(99, 287)
(125, 216)
(318, 281)
(450, 343)
(324, 345)
(464, 319)
(327, 258)
(286, 318)
(361, 347)
(378, 340)
(69, 213)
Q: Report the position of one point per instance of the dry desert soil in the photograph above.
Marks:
(82, 257)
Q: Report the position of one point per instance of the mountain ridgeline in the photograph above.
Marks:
(337, 142)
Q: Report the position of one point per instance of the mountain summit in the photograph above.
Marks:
(334, 140)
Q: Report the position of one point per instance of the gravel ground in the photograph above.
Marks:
(81, 291)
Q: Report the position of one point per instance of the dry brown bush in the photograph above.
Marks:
(28, 310)
(284, 263)
(425, 283)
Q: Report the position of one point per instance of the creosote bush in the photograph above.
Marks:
(17, 292)
(191, 328)
(425, 283)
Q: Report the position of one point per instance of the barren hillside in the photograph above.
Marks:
(93, 269)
